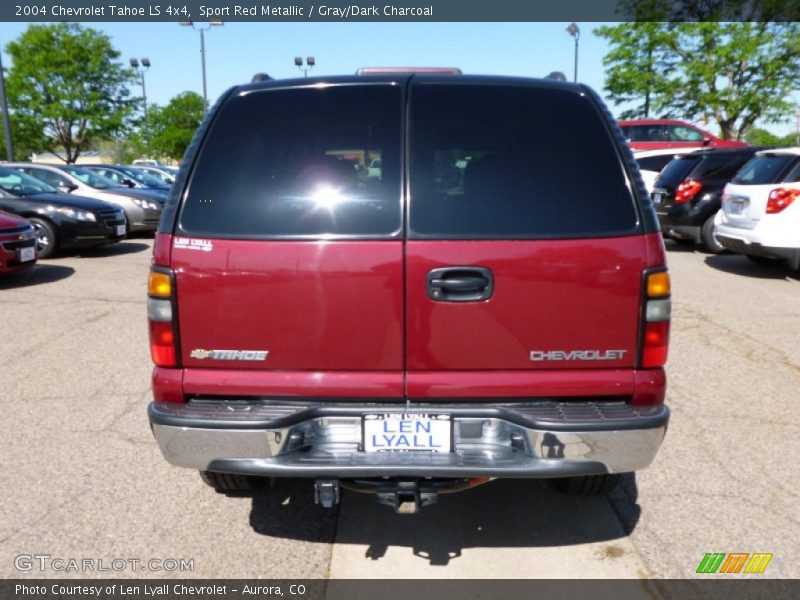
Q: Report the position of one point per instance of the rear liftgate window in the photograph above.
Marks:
(303, 162)
(513, 162)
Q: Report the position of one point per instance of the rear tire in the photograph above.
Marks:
(46, 237)
(709, 242)
(587, 485)
(764, 260)
(228, 483)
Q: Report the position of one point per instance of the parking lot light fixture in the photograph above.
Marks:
(310, 63)
(575, 32)
(141, 68)
(202, 29)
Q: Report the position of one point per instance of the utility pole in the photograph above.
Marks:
(4, 106)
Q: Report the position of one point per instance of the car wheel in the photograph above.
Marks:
(46, 237)
(710, 243)
(228, 483)
(587, 485)
(764, 260)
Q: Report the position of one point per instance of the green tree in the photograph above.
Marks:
(172, 127)
(762, 137)
(637, 66)
(732, 73)
(66, 86)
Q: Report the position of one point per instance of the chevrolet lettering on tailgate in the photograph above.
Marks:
(555, 355)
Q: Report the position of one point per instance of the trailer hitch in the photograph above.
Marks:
(406, 497)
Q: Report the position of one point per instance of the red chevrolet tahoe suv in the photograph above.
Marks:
(487, 303)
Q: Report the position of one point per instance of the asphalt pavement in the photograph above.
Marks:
(85, 480)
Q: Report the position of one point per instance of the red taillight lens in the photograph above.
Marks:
(687, 190)
(162, 344)
(655, 344)
(780, 198)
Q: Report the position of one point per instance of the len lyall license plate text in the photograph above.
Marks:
(407, 432)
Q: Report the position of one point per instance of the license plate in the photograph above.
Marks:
(737, 206)
(120, 229)
(657, 197)
(27, 254)
(407, 433)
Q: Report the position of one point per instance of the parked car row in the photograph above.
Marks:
(737, 199)
(68, 206)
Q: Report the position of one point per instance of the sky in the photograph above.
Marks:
(236, 51)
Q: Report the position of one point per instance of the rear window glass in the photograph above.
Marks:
(720, 166)
(508, 161)
(764, 169)
(654, 163)
(676, 170)
(300, 162)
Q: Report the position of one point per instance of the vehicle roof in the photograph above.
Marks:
(402, 78)
(726, 150)
(656, 122)
(663, 151)
(766, 151)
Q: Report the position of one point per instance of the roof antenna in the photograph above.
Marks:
(557, 76)
(259, 77)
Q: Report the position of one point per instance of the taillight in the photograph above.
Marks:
(687, 190)
(161, 317)
(780, 198)
(656, 314)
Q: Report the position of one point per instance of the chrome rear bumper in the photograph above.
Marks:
(543, 439)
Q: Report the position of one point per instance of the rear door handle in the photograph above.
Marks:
(460, 284)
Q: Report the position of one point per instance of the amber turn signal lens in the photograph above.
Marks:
(159, 285)
(658, 284)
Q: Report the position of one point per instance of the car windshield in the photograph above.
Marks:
(21, 184)
(90, 178)
(141, 176)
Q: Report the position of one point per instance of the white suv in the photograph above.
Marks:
(760, 215)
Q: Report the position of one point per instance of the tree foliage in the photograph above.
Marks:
(732, 73)
(66, 88)
(172, 127)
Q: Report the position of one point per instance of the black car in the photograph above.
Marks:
(688, 193)
(123, 175)
(61, 221)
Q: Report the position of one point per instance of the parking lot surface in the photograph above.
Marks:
(85, 480)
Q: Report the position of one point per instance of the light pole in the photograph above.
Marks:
(575, 32)
(4, 106)
(144, 66)
(310, 62)
(202, 31)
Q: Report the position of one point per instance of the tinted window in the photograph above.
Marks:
(793, 176)
(720, 166)
(677, 170)
(299, 162)
(679, 133)
(20, 184)
(764, 169)
(507, 161)
(89, 178)
(53, 179)
(654, 163)
(648, 133)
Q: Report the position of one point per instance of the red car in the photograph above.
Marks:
(18, 250)
(652, 134)
(488, 303)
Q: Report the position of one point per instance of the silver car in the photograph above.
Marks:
(142, 209)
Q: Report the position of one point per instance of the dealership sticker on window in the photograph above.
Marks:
(193, 244)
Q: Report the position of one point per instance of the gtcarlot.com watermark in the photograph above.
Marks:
(42, 563)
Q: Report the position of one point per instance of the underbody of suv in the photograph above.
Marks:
(484, 303)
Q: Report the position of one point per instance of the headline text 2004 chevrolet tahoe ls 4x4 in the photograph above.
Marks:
(493, 303)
